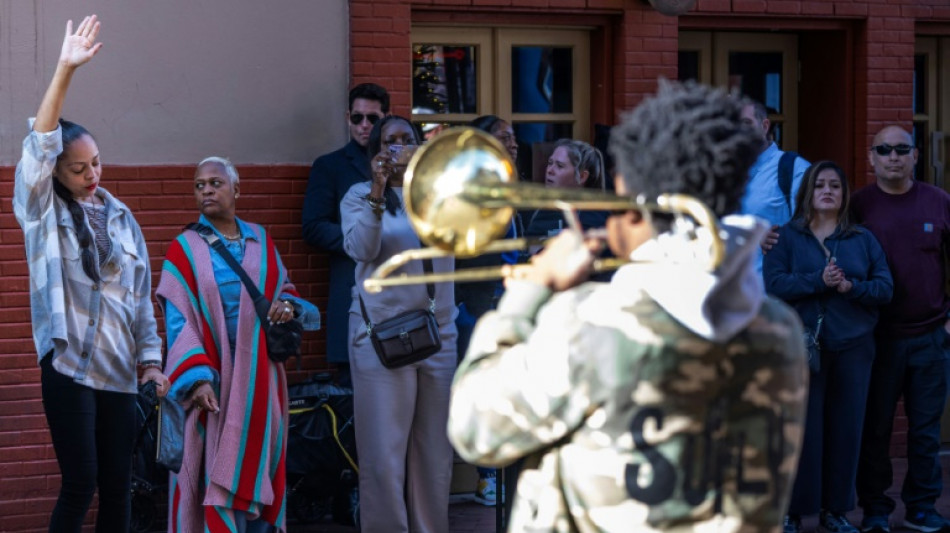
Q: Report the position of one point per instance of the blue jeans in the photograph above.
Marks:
(837, 396)
(93, 434)
(917, 368)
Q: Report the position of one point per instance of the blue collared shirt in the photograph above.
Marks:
(229, 287)
(763, 197)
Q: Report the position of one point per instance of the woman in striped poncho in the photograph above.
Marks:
(232, 474)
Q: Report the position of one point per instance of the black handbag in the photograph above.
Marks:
(408, 337)
(283, 339)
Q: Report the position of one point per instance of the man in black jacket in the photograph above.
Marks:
(330, 177)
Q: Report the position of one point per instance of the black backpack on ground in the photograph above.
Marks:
(322, 467)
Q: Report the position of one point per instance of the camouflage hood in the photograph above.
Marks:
(713, 304)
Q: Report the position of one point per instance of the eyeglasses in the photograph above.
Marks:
(885, 149)
(357, 118)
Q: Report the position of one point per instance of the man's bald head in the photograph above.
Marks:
(892, 131)
(893, 158)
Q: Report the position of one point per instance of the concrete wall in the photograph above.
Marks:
(177, 80)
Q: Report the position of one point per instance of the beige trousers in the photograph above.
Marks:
(401, 416)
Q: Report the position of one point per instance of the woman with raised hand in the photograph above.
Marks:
(401, 413)
(90, 303)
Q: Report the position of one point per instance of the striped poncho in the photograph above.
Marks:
(234, 459)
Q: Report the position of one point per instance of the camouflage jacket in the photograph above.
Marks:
(628, 420)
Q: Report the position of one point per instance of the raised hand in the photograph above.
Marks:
(382, 169)
(79, 47)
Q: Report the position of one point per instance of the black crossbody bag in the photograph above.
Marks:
(283, 339)
(408, 337)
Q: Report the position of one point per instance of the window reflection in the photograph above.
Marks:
(431, 129)
(443, 78)
(920, 83)
(688, 65)
(758, 75)
(542, 79)
(923, 155)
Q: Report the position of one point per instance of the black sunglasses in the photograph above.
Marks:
(357, 118)
(885, 149)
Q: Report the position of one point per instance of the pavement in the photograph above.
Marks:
(466, 516)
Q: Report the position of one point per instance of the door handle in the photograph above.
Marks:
(936, 143)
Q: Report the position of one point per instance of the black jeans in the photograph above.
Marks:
(837, 396)
(917, 368)
(93, 434)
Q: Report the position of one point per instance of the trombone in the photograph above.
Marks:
(460, 193)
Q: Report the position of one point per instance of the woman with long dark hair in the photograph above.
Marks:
(834, 273)
(90, 301)
(401, 413)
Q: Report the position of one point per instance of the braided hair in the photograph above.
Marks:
(72, 131)
(688, 139)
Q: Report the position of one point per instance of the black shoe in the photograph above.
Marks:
(926, 521)
(792, 524)
(835, 523)
(875, 524)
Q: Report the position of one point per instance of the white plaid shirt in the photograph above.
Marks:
(97, 331)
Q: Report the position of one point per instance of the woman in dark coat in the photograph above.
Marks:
(834, 273)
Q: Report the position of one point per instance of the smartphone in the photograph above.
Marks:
(395, 152)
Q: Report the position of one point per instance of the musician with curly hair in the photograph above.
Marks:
(671, 397)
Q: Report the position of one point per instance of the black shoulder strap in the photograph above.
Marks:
(786, 168)
(261, 305)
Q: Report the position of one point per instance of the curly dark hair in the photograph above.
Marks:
(687, 139)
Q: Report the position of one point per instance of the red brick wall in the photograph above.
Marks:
(162, 202)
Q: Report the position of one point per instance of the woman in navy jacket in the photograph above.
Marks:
(824, 264)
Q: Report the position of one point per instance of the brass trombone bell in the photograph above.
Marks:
(461, 191)
(437, 178)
